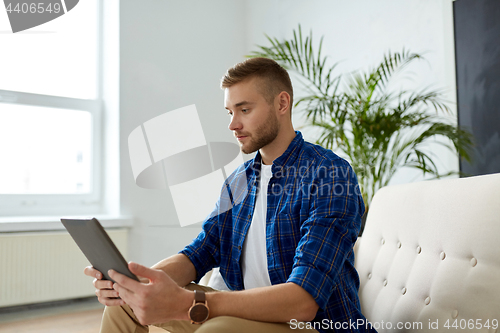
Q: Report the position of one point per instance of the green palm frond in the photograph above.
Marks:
(391, 64)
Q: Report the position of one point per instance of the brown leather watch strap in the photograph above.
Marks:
(199, 296)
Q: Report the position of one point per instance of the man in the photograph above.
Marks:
(285, 248)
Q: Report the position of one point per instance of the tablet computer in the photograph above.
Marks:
(96, 245)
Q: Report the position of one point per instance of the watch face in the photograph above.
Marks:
(199, 313)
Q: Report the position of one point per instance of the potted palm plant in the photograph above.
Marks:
(376, 129)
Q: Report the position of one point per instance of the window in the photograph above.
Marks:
(50, 108)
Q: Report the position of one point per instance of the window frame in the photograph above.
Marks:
(16, 205)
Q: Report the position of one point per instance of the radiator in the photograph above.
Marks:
(45, 266)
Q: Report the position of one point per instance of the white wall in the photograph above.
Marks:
(173, 54)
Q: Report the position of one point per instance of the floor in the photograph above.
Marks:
(81, 316)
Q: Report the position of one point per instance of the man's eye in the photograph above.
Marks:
(229, 113)
(244, 110)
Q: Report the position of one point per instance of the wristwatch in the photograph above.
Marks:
(198, 312)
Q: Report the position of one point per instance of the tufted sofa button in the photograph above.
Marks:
(369, 275)
(385, 283)
(382, 241)
(403, 291)
(473, 262)
(419, 249)
(442, 255)
(427, 300)
(454, 314)
(399, 245)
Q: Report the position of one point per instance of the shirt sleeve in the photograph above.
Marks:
(329, 233)
(204, 249)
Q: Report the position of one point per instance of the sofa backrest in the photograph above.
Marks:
(429, 257)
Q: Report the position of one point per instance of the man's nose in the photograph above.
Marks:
(234, 124)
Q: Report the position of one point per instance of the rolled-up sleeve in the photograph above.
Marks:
(204, 249)
(330, 231)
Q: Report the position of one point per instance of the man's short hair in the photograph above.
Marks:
(275, 78)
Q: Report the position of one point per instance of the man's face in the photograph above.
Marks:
(253, 121)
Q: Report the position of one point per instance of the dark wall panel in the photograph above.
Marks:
(477, 51)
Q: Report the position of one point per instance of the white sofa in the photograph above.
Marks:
(430, 254)
(429, 257)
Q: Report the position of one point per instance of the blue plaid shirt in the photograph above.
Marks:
(314, 210)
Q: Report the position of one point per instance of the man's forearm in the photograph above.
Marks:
(179, 268)
(278, 303)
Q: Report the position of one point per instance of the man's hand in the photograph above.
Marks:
(178, 267)
(104, 288)
(157, 301)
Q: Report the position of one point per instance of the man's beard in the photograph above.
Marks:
(263, 135)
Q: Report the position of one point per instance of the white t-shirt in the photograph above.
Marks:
(254, 254)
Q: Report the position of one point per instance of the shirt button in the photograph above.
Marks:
(239, 247)
(249, 216)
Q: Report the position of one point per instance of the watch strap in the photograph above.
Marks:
(199, 296)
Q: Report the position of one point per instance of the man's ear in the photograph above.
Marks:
(283, 100)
